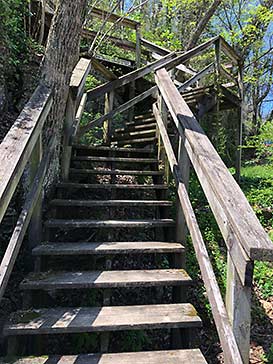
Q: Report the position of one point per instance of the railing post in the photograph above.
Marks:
(35, 225)
(238, 304)
(138, 47)
(107, 125)
(70, 114)
(184, 166)
(239, 129)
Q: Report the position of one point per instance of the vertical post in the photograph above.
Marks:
(184, 167)
(35, 225)
(138, 47)
(107, 125)
(70, 114)
(239, 129)
(238, 304)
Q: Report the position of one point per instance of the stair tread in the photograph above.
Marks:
(115, 159)
(102, 203)
(115, 172)
(108, 223)
(106, 279)
(134, 127)
(134, 134)
(189, 356)
(137, 140)
(112, 149)
(108, 248)
(99, 319)
(110, 186)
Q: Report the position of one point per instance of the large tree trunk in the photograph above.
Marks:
(61, 56)
(203, 23)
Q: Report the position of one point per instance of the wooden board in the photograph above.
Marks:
(101, 319)
(107, 186)
(118, 172)
(189, 356)
(110, 149)
(108, 203)
(79, 76)
(59, 223)
(115, 159)
(106, 279)
(113, 18)
(131, 247)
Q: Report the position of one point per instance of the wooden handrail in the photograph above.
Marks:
(197, 77)
(17, 146)
(112, 17)
(229, 345)
(215, 178)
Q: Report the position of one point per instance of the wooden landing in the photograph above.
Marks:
(190, 356)
(111, 248)
(105, 279)
(102, 319)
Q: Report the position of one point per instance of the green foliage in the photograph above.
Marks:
(263, 142)
(12, 32)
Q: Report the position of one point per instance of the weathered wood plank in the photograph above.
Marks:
(111, 149)
(71, 185)
(18, 144)
(98, 66)
(108, 248)
(105, 279)
(115, 159)
(196, 77)
(59, 223)
(109, 203)
(230, 348)
(119, 172)
(101, 319)
(241, 217)
(189, 356)
(78, 117)
(79, 76)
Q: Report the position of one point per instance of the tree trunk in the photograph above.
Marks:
(62, 54)
(203, 23)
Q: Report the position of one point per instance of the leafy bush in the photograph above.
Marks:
(263, 142)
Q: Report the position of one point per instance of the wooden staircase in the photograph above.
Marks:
(114, 206)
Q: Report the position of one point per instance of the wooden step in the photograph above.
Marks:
(109, 203)
(118, 172)
(153, 223)
(135, 127)
(101, 319)
(109, 186)
(145, 115)
(116, 159)
(111, 149)
(186, 356)
(134, 135)
(108, 248)
(137, 141)
(105, 279)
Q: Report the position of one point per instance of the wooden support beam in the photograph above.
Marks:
(229, 51)
(127, 105)
(107, 125)
(138, 47)
(196, 77)
(98, 66)
(230, 348)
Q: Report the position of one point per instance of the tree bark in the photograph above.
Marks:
(203, 23)
(61, 56)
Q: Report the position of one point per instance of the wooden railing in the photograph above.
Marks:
(22, 151)
(243, 234)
